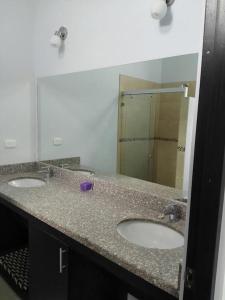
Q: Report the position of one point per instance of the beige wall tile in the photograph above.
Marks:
(180, 170)
(165, 162)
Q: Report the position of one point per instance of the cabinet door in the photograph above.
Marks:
(49, 267)
(89, 282)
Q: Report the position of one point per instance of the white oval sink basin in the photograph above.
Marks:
(27, 182)
(150, 235)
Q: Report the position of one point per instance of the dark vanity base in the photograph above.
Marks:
(63, 269)
(16, 265)
(14, 236)
(14, 268)
(72, 277)
(93, 282)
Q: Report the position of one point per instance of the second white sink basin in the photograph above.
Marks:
(27, 182)
(150, 235)
(84, 172)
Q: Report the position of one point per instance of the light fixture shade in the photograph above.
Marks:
(159, 9)
(55, 41)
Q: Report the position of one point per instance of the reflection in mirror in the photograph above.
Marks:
(135, 120)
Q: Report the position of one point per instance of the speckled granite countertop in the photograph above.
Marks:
(91, 218)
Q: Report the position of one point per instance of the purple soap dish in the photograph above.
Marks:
(86, 186)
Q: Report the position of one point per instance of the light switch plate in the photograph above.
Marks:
(57, 141)
(10, 143)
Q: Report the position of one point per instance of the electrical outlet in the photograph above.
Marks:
(10, 143)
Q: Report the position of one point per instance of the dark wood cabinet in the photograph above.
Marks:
(88, 281)
(59, 274)
(49, 266)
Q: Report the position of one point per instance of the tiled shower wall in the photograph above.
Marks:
(170, 131)
(152, 133)
(136, 139)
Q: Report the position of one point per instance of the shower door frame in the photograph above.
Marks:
(209, 165)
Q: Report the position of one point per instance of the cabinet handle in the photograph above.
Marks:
(61, 266)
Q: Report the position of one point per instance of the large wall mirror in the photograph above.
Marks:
(134, 120)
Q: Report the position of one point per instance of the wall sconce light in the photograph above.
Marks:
(59, 37)
(159, 8)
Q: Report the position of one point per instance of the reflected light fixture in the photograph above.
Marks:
(159, 8)
(59, 37)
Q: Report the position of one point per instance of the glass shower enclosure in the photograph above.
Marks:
(152, 134)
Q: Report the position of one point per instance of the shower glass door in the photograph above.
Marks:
(136, 138)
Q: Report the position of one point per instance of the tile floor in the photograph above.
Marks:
(6, 293)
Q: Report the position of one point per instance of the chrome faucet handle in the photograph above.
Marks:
(47, 171)
(45, 174)
(44, 169)
(173, 211)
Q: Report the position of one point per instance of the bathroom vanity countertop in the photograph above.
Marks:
(146, 186)
(91, 218)
(136, 184)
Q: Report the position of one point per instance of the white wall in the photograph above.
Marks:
(16, 81)
(180, 68)
(105, 33)
(101, 33)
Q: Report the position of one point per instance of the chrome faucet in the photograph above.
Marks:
(173, 211)
(47, 172)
